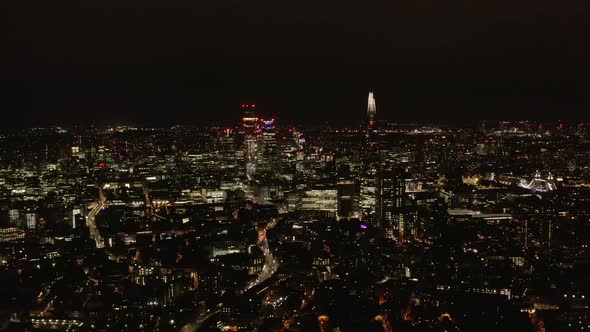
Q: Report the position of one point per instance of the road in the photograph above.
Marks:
(91, 221)
(270, 262)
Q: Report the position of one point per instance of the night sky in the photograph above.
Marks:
(166, 62)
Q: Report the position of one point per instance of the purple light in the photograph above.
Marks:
(363, 226)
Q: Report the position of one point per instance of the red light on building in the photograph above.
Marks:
(101, 165)
(253, 105)
(371, 123)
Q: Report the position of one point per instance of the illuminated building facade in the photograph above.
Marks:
(368, 193)
(267, 138)
(291, 150)
(390, 202)
(369, 180)
(250, 130)
(11, 234)
(371, 108)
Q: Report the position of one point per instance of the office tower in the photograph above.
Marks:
(368, 190)
(390, 195)
(291, 150)
(369, 179)
(371, 108)
(226, 140)
(249, 130)
(267, 144)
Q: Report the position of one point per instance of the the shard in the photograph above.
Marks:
(371, 108)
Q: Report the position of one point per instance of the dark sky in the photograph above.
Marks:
(162, 62)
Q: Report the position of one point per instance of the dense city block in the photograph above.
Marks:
(263, 225)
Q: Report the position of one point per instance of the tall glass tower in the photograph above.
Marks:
(371, 108)
(250, 131)
(369, 179)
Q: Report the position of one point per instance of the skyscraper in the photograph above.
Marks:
(249, 129)
(368, 190)
(389, 203)
(371, 114)
(371, 108)
(267, 144)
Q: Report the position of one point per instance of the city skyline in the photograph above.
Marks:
(227, 115)
(265, 226)
(294, 166)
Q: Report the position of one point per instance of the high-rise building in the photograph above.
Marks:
(249, 130)
(249, 119)
(368, 190)
(291, 150)
(370, 169)
(390, 202)
(370, 135)
(371, 108)
(227, 147)
(226, 140)
(268, 144)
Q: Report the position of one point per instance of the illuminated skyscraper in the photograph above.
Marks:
(249, 119)
(267, 144)
(371, 114)
(250, 130)
(368, 190)
(390, 195)
(371, 108)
